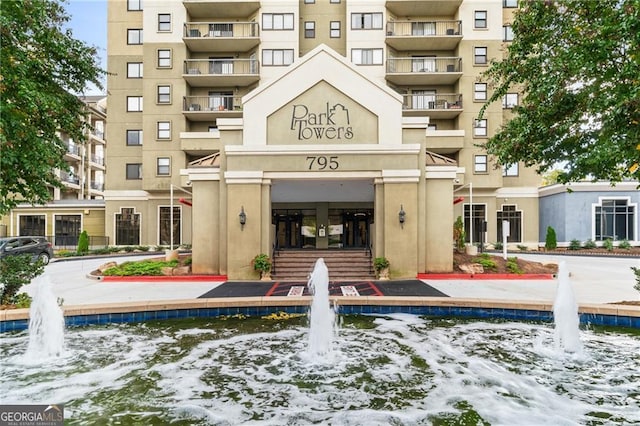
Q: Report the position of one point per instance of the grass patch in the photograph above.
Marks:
(145, 267)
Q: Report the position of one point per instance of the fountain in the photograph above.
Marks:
(46, 322)
(395, 369)
(565, 314)
(321, 316)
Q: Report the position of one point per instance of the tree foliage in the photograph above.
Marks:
(16, 271)
(41, 67)
(578, 63)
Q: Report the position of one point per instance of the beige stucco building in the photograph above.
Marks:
(329, 124)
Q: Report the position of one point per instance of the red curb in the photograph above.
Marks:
(165, 278)
(485, 276)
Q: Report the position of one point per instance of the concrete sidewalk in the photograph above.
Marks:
(594, 279)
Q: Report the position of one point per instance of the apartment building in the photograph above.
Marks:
(246, 127)
(79, 204)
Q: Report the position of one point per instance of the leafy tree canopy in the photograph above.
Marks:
(578, 63)
(41, 67)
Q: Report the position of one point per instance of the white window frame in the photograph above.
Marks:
(481, 163)
(277, 57)
(134, 69)
(614, 198)
(277, 21)
(361, 56)
(163, 130)
(163, 166)
(480, 91)
(134, 36)
(134, 103)
(480, 128)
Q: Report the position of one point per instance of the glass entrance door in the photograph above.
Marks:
(356, 231)
(288, 231)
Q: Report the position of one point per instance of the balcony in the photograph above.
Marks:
(440, 106)
(221, 72)
(208, 108)
(97, 187)
(97, 161)
(427, 70)
(445, 141)
(423, 7)
(97, 135)
(200, 143)
(424, 35)
(221, 8)
(221, 36)
(70, 180)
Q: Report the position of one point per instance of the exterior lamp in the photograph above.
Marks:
(401, 216)
(242, 216)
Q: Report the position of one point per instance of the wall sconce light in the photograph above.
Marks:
(242, 216)
(401, 216)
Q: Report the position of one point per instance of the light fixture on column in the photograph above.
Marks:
(401, 216)
(242, 216)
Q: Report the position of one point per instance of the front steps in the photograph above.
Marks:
(343, 265)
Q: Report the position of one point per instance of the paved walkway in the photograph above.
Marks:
(594, 279)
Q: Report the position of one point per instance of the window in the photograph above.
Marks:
(334, 1)
(510, 171)
(164, 22)
(309, 1)
(366, 21)
(134, 36)
(309, 29)
(480, 128)
(134, 137)
(480, 164)
(134, 69)
(615, 219)
(134, 5)
(366, 56)
(32, 225)
(509, 3)
(164, 94)
(480, 19)
(134, 103)
(480, 55)
(163, 166)
(514, 217)
(480, 92)
(164, 130)
(510, 100)
(334, 29)
(127, 227)
(164, 224)
(134, 171)
(507, 33)
(67, 229)
(277, 57)
(479, 217)
(164, 58)
(277, 21)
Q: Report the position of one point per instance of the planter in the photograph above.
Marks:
(265, 275)
(383, 274)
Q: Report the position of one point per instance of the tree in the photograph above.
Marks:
(41, 67)
(16, 271)
(578, 64)
(83, 243)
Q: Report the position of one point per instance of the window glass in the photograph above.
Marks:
(134, 69)
(480, 91)
(510, 171)
(277, 21)
(509, 100)
(480, 19)
(514, 217)
(366, 21)
(309, 29)
(366, 56)
(480, 55)
(134, 137)
(164, 22)
(480, 164)
(164, 223)
(164, 166)
(134, 5)
(164, 94)
(164, 129)
(507, 31)
(480, 128)
(127, 227)
(164, 58)
(134, 103)
(277, 57)
(134, 171)
(334, 31)
(134, 36)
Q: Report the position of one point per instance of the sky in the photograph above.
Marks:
(89, 24)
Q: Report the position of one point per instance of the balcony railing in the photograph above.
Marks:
(97, 186)
(97, 159)
(194, 67)
(221, 36)
(73, 149)
(420, 101)
(69, 178)
(98, 133)
(423, 28)
(217, 103)
(424, 64)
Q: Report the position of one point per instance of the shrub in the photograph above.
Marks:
(22, 300)
(551, 243)
(104, 250)
(522, 247)
(486, 261)
(608, 244)
(512, 265)
(129, 249)
(458, 234)
(637, 272)
(187, 261)
(261, 263)
(575, 245)
(624, 244)
(16, 271)
(66, 253)
(83, 243)
(145, 267)
(589, 244)
(142, 248)
(498, 245)
(380, 263)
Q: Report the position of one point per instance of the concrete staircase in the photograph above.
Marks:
(343, 265)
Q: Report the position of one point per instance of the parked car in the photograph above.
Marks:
(37, 247)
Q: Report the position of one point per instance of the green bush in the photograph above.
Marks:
(608, 244)
(142, 248)
(589, 244)
(83, 243)
(624, 244)
(575, 245)
(512, 265)
(486, 261)
(637, 272)
(380, 263)
(16, 271)
(522, 247)
(187, 261)
(459, 234)
(129, 249)
(144, 267)
(498, 245)
(22, 300)
(261, 263)
(550, 242)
